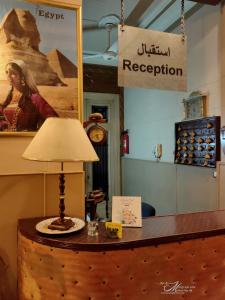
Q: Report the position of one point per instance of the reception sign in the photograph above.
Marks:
(151, 59)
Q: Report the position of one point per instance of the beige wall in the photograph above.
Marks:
(29, 189)
(221, 184)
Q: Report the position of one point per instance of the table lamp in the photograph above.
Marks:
(61, 140)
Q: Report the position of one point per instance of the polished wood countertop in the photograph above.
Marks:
(155, 230)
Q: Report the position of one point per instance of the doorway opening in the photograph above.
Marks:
(105, 174)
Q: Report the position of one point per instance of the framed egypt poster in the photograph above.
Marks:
(127, 211)
(40, 63)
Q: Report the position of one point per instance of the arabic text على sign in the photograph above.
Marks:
(151, 59)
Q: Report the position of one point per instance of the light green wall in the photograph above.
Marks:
(170, 188)
(150, 116)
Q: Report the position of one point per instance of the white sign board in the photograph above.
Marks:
(151, 59)
(127, 211)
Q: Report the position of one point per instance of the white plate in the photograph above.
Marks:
(43, 226)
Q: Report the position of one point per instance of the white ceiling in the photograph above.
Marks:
(95, 41)
(161, 15)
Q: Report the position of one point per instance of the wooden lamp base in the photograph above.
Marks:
(61, 223)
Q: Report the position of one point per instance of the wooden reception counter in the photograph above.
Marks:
(182, 255)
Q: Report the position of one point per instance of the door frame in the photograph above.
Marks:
(113, 128)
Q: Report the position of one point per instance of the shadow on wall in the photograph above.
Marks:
(6, 292)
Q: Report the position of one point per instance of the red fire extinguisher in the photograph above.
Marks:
(125, 142)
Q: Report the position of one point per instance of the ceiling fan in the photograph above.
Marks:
(108, 23)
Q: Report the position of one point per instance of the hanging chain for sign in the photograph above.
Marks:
(122, 16)
(182, 25)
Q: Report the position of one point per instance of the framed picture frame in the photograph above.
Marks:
(195, 106)
(40, 63)
(127, 211)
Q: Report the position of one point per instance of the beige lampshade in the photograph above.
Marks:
(61, 139)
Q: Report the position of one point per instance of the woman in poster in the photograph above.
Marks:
(24, 109)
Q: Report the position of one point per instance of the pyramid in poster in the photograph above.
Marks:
(20, 39)
(61, 64)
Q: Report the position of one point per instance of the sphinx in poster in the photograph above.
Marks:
(45, 70)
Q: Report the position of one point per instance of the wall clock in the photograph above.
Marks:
(97, 134)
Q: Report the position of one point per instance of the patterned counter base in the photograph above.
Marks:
(191, 269)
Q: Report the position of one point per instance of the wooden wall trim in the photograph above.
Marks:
(103, 79)
(210, 2)
(100, 79)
